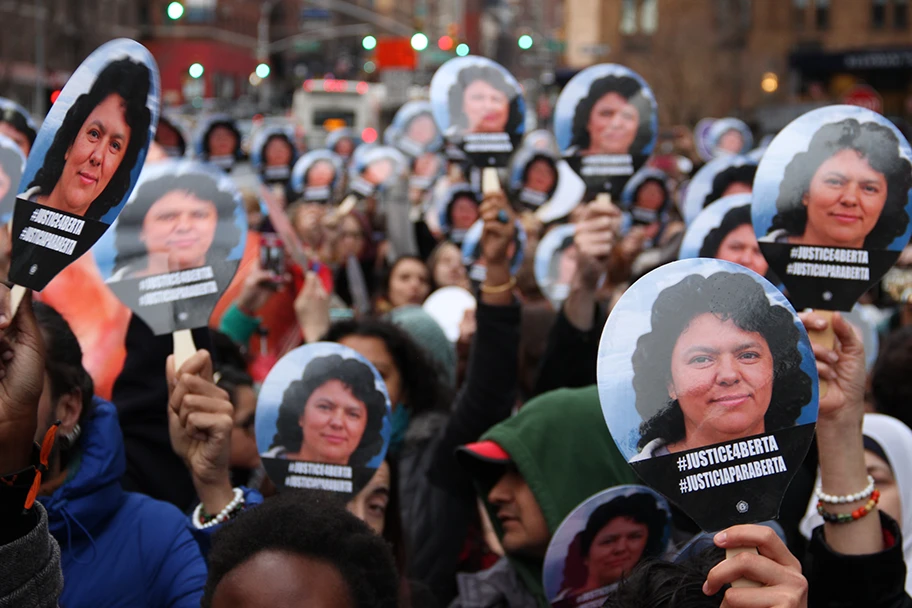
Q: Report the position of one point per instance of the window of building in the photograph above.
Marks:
(799, 12)
(628, 23)
(649, 16)
(822, 14)
(900, 14)
(878, 13)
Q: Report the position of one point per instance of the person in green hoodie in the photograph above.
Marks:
(531, 471)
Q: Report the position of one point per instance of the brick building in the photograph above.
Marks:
(764, 60)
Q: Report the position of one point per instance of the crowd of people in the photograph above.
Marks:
(145, 486)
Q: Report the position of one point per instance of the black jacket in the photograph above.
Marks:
(438, 498)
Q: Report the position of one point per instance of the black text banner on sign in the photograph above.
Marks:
(708, 385)
(84, 162)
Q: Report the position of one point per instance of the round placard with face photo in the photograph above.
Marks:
(323, 420)
(17, 124)
(479, 106)
(457, 211)
(315, 177)
(601, 541)
(832, 201)
(729, 136)
(413, 130)
(606, 123)
(534, 177)
(12, 162)
(173, 136)
(375, 170)
(471, 251)
(709, 387)
(343, 142)
(647, 197)
(426, 170)
(273, 154)
(701, 138)
(176, 246)
(218, 141)
(724, 231)
(723, 176)
(555, 263)
(85, 160)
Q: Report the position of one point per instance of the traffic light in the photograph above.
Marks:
(369, 43)
(462, 49)
(196, 70)
(263, 70)
(419, 41)
(445, 43)
(525, 42)
(175, 11)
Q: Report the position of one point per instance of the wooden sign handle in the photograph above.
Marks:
(16, 295)
(347, 205)
(742, 582)
(184, 347)
(603, 197)
(490, 182)
(825, 338)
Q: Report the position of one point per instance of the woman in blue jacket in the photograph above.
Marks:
(118, 548)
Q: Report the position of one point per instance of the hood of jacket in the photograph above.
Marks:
(561, 446)
(92, 492)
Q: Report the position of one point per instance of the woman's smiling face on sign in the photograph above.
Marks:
(487, 109)
(722, 378)
(613, 125)
(844, 201)
(333, 422)
(616, 549)
(182, 227)
(93, 158)
(740, 246)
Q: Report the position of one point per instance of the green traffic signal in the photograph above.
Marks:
(369, 43)
(525, 42)
(175, 11)
(462, 49)
(196, 70)
(419, 41)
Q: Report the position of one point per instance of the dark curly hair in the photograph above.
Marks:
(422, 378)
(285, 140)
(662, 184)
(735, 217)
(741, 174)
(492, 76)
(458, 192)
(890, 382)
(15, 118)
(181, 142)
(628, 88)
(357, 378)
(729, 296)
(131, 81)
(879, 146)
(641, 508)
(228, 124)
(314, 525)
(552, 164)
(199, 185)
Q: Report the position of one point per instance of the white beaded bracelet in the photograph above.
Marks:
(223, 515)
(841, 500)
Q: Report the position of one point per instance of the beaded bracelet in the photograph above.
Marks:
(842, 500)
(202, 520)
(847, 518)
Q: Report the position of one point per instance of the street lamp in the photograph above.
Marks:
(770, 82)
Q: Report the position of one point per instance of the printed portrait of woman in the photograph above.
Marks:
(734, 241)
(221, 143)
(277, 157)
(17, 124)
(540, 175)
(421, 129)
(562, 268)
(168, 135)
(720, 363)
(850, 188)
(342, 142)
(320, 174)
(333, 414)
(483, 101)
(737, 179)
(618, 535)
(648, 203)
(86, 170)
(173, 223)
(615, 117)
(379, 171)
(461, 213)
